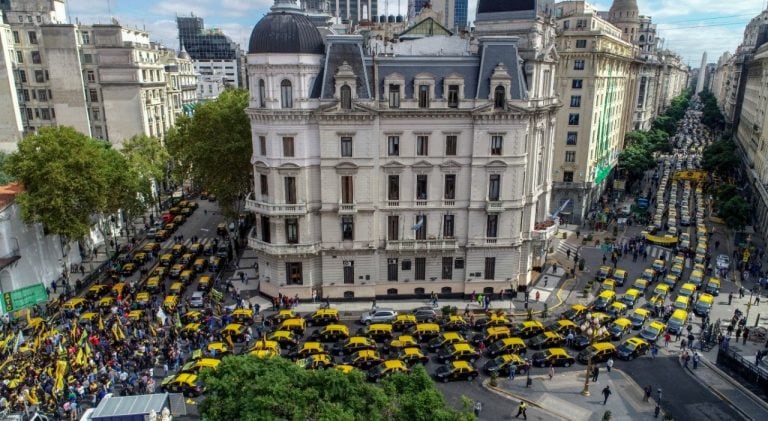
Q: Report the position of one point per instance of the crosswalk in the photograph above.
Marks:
(654, 252)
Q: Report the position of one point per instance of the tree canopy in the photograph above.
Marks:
(735, 212)
(5, 178)
(68, 178)
(213, 148)
(710, 113)
(720, 157)
(244, 387)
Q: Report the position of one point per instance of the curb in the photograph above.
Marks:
(509, 395)
(746, 392)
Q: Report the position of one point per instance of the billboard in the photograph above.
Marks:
(24, 297)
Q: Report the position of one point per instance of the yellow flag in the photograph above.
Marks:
(87, 349)
(229, 341)
(29, 315)
(101, 324)
(152, 330)
(83, 337)
(36, 346)
(80, 359)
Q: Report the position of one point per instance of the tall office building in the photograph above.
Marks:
(352, 11)
(461, 14)
(213, 53)
(445, 10)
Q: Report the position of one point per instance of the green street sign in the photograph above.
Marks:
(24, 297)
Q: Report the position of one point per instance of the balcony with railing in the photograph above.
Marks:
(494, 242)
(347, 208)
(275, 209)
(282, 249)
(544, 230)
(423, 245)
(494, 206)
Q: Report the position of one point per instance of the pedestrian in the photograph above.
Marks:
(551, 371)
(654, 351)
(658, 396)
(746, 335)
(667, 338)
(521, 410)
(730, 298)
(686, 358)
(695, 359)
(373, 303)
(478, 408)
(609, 364)
(757, 299)
(647, 395)
(606, 393)
(537, 296)
(595, 373)
(512, 369)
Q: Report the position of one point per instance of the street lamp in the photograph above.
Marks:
(591, 327)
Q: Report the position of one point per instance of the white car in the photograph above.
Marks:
(723, 262)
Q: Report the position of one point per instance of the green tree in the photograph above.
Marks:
(213, 148)
(720, 157)
(5, 178)
(636, 159)
(735, 212)
(726, 192)
(245, 387)
(148, 158)
(63, 175)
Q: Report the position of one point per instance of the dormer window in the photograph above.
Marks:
(394, 96)
(286, 94)
(346, 97)
(500, 98)
(453, 96)
(423, 96)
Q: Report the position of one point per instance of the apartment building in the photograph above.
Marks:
(400, 174)
(593, 79)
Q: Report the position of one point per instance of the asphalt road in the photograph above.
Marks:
(683, 396)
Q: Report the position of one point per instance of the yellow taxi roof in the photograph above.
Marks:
(607, 294)
(636, 341)
(622, 321)
(556, 351)
(513, 341)
(461, 364)
(657, 325)
(706, 298)
(601, 346)
(366, 353)
(394, 364)
(312, 345)
(632, 292)
(618, 273)
(688, 286)
(427, 326)
(327, 312)
(377, 326)
(462, 347)
(507, 358)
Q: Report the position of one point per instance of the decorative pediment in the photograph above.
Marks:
(500, 72)
(450, 166)
(346, 168)
(496, 165)
(288, 168)
(260, 166)
(393, 167)
(422, 166)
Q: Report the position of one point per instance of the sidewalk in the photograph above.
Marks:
(562, 399)
(553, 294)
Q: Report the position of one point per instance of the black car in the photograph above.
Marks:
(352, 345)
(582, 341)
(425, 314)
(557, 357)
(632, 348)
(456, 370)
(501, 364)
(545, 340)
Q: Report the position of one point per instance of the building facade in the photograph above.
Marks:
(594, 81)
(29, 259)
(399, 174)
(106, 81)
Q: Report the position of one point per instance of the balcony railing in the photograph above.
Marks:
(494, 242)
(392, 203)
(275, 209)
(347, 208)
(422, 245)
(449, 203)
(282, 249)
(494, 206)
(545, 233)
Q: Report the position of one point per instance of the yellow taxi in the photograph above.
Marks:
(713, 286)
(177, 288)
(620, 276)
(387, 368)
(187, 277)
(296, 325)
(648, 274)
(235, 331)
(117, 289)
(106, 303)
(186, 259)
(576, 313)
(204, 284)
(316, 361)
(379, 332)
(307, 349)
(619, 328)
(151, 247)
(153, 284)
(166, 260)
(412, 355)
(703, 305)
(243, 316)
(604, 300)
(616, 309)
(630, 297)
(563, 326)
(445, 338)
(682, 302)
(527, 329)
(200, 265)
(556, 357)
(96, 291)
(178, 249)
(640, 284)
(425, 331)
(399, 342)
(661, 290)
(677, 321)
(652, 331)
(597, 353)
(507, 346)
(352, 345)
(330, 333)
(603, 273)
(456, 370)
(264, 344)
(323, 316)
(185, 383)
(608, 285)
(687, 289)
(136, 315)
(403, 322)
(502, 364)
(658, 265)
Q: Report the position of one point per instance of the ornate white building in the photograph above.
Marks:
(400, 169)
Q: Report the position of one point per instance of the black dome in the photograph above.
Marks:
(281, 32)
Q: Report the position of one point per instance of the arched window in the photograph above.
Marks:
(418, 291)
(445, 290)
(346, 97)
(349, 294)
(499, 97)
(488, 290)
(392, 291)
(642, 38)
(286, 94)
(262, 93)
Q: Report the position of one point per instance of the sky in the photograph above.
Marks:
(688, 27)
